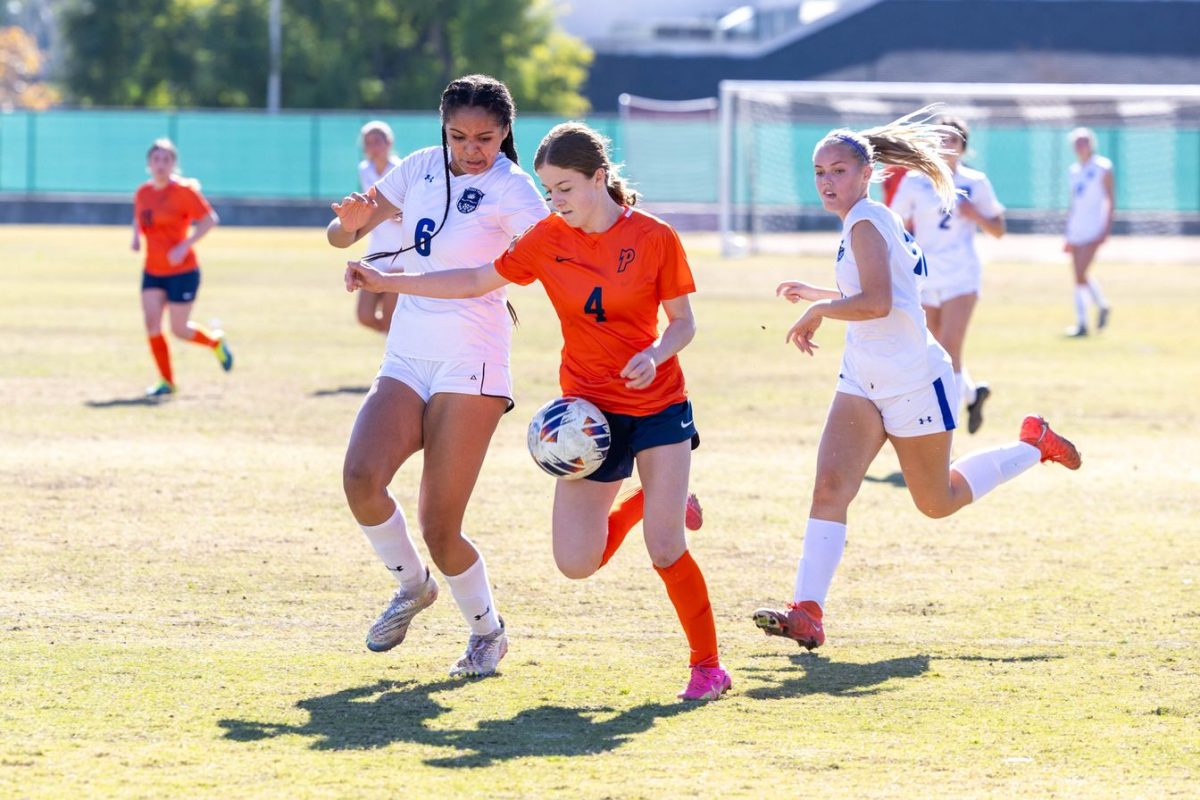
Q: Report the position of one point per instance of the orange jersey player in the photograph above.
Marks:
(164, 208)
(607, 269)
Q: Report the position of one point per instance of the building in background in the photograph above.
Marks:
(676, 49)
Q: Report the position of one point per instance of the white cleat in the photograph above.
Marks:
(391, 627)
(483, 654)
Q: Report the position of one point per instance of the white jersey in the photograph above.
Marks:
(1089, 201)
(946, 237)
(896, 354)
(486, 212)
(387, 235)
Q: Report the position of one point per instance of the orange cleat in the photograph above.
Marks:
(1036, 431)
(801, 623)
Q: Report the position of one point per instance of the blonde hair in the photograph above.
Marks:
(573, 145)
(912, 142)
(1083, 133)
(167, 146)
(376, 126)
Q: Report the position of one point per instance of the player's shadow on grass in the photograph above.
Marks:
(119, 402)
(814, 674)
(341, 390)
(895, 479)
(390, 712)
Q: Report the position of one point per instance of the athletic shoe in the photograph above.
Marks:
(483, 654)
(1036, 431)
(801, 622)
(161, 389)
(223, 354)
(392, 626)
(1102, 319)
(1076, 332)
(707, 683)
(975, 409)
(693, 516)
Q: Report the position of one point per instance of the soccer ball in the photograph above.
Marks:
(569, 438)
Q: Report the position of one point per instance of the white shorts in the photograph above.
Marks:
(428, 378)
(930, 409)
(935, 298)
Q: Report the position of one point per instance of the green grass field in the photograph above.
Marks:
(184, 596)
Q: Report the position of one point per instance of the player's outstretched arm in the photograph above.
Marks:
(795, 291)
(447, 284)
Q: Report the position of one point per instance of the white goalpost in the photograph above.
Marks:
(767, 130)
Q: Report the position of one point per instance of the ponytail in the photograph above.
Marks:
(618, 189)
(912, 142)
(509, 147)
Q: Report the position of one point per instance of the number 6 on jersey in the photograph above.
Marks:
(595, 304)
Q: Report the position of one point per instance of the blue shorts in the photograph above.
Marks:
(180, 288)
(631, 435)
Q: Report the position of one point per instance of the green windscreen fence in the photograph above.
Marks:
(313, 156)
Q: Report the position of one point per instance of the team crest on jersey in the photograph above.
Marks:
(626, 258)
(469, 200)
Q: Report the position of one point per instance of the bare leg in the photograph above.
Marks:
(852, 438)
(386, 433)
(664, 475)
(925, 461)
(580, 527)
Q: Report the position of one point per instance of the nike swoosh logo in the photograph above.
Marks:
(561, 259)
(480, 616)
(687, 424)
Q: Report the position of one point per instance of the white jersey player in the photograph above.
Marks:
(444, 383)
(892, 385)
(375, 310)
(1089, 221)
(948, 239)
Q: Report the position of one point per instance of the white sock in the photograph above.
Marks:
(966, 387)
(396, 549)
(824, 543)
(984, 470)
(473, 593)
(1081, 293)
(1097, 295)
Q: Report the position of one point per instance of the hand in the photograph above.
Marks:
(136, 244)
(1068, 247)
(178, 253)
(355, 210)
(967, 210)
(364, 276)
(795, 291)
(641, 369)
(801, 333)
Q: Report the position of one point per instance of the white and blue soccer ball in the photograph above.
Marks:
(569, 438)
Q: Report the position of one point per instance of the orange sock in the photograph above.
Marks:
(162, 357)
(201, 335)
(624, 515)
(689, 594)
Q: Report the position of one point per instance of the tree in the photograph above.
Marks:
(382, 54)
(20, 66)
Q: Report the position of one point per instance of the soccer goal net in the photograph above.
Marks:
(1018, 137)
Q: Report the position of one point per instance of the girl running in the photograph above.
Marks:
(444, 382)
(892, 384)
(607, 269)
(1089, 221)
(375, 310)
(948, 240)
(164, 208)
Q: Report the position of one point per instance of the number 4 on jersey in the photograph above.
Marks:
(595, 305)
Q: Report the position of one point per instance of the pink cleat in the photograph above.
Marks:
(693, 516)
(801, 622)
(707, 683)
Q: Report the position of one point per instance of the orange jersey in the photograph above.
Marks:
(607, 289)
(164, 216)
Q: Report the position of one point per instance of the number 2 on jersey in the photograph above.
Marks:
(424, 236)
(945, 223)
(595, 305)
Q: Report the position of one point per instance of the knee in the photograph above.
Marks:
(577, 566)
(181, 330)
(361, 481)
(664, 553)
(439, 538)
(933, 508)
(832, 492)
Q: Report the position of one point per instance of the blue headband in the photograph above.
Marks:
(862, 151)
